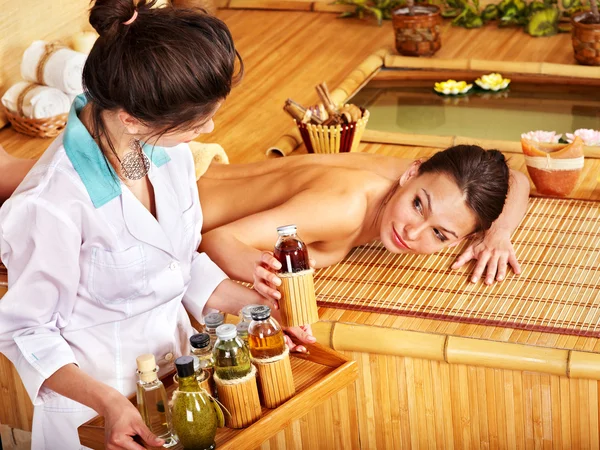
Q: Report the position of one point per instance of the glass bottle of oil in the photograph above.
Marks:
(203, 350)
(212, 322)
(196, 415)
(290, 250)
(152, 400)
(232, 358)
(265, 336)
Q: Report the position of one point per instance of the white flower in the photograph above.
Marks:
(492, 82)
(588, 136)
(542, 136)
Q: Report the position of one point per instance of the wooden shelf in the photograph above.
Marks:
(317, 376)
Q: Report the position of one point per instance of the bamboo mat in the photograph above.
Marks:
(558, 291)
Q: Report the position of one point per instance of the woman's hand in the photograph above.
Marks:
(303, 334)
(495, 252)
(265, 280)
(123, 423)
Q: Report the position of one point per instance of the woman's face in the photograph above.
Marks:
(171, 139)
(426, 214)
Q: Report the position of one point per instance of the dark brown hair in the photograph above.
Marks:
(482, 176)
(169, 68)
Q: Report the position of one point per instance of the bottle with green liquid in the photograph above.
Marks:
(152, 400)
(195, 414)
(232, 358)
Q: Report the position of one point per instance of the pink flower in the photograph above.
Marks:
(588, 136)
(542, 136)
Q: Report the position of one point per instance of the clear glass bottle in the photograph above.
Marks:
(245, 315)
(212, 322)
(242, 331)
(152, 400)
(290, 251)
(232, 358)
(265, 336)
(196, 416)
(203, 350)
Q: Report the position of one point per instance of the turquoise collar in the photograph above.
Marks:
(98, 176)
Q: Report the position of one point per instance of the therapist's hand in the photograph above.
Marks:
(122, 423)
(265, 280)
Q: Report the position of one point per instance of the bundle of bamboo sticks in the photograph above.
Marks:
(327, 113)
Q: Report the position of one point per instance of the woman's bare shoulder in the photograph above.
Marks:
(388, 166)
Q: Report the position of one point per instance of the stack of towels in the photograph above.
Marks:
(62, 80)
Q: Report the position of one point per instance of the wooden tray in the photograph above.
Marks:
(317, 376)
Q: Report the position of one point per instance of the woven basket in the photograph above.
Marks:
(43, 128)
(333, 139)
(586, 40)
(417, 35)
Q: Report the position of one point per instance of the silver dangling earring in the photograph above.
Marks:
(135, 165)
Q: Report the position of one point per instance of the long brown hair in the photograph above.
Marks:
(169, 68)
(482, 176)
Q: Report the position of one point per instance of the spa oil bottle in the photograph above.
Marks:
(265, 336)
(232, 358)
(152, 400)
(196, 415)
(290, 251)
(212, 322)
(203, 350)
(246, 318)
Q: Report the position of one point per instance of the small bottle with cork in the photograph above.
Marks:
(298, 303)
(152, 400)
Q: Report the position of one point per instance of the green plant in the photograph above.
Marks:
(538, 17)
(381, 9)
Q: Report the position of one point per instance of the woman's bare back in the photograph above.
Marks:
(241, 190)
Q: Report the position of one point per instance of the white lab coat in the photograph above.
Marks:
(95, 279)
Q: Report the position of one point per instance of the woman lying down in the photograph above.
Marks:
(345, 200)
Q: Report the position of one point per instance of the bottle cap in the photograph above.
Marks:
(185, 366)
(242, 328)
(286, 230)
(226, 332)
(146, 363)
(246, 310)
(213, 320)
(261, 313)
(200, 340)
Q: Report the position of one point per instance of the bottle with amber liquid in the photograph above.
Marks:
(265, 336)
(290, 251)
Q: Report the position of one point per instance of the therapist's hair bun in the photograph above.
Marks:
(107, 16)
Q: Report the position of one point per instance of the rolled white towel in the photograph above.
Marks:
(41, 102)
(63, 69)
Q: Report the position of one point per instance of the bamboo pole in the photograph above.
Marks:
(456, 350)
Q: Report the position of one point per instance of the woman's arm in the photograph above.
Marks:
(319, 216)
(495, 251)
(122, 420)
(12, 172)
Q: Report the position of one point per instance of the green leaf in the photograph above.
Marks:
(543, 22)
